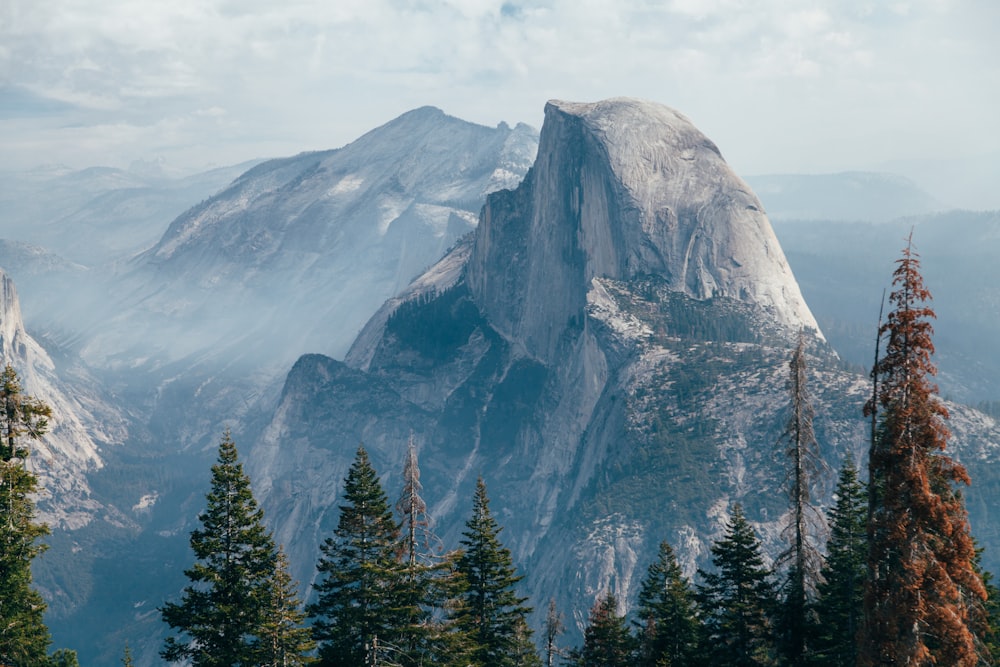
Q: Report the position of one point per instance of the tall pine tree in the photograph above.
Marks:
(668, 625)
(801, 560)
(24, 638)
(222, 611)
(490, 611)
(841, 589)
(358, 608)
(737, 600)
(922, 588)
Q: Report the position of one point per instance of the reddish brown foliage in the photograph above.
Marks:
(922, 590)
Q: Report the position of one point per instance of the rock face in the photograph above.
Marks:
(624, 188)
(609, 351)
(82, 421)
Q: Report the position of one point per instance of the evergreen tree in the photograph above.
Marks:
(24, 638)
(222, 612)
(801, 559)
(358, 605)
(283, 640)
(841, 589)
(490, 611)
(737, 600)
(606, 639)
(668, 625)
(922, 589)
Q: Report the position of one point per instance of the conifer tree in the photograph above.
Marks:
(841, 589)
(490, 611)
(283, 639)
(737, 600)
(24, 638)
(606, 639)
(668, 625)
(922, 589)
(358, 606)
(801, 559)
(222, 611)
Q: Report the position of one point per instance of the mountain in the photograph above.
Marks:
(320, 239)
(97, 214)
(851, 196)
(609, 351)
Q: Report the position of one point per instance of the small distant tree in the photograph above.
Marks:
(922, 591)
(490, 612)
(24, 637)
(606, 639)
(222, 611)
(127, 660)
(667, 624)
(737, 600)
(554, 627)
(841, 590)
(358, 604)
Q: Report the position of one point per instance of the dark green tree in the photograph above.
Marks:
(24, 638)
(358, 606)
(490, 612)
(737, 600)
(283, 640)
(667, 625)
(606, 639)
(841, 590)
(64, 657)
(222, 611)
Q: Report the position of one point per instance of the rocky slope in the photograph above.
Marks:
(83, 422)
(609, 351)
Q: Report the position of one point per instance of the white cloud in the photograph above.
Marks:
(861, 83)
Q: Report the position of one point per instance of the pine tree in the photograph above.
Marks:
(922, 588)
(357, 608)
(606, 639)
(737, 600)
(491, 612)
(223, 609)
(841, 589)
(668, 625)
(283, 641)
(801, 559)
(24, 638)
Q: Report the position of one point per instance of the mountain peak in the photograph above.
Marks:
(623, 188)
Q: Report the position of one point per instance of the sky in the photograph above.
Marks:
(782, 86)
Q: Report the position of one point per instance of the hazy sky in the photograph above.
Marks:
(780, 85)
